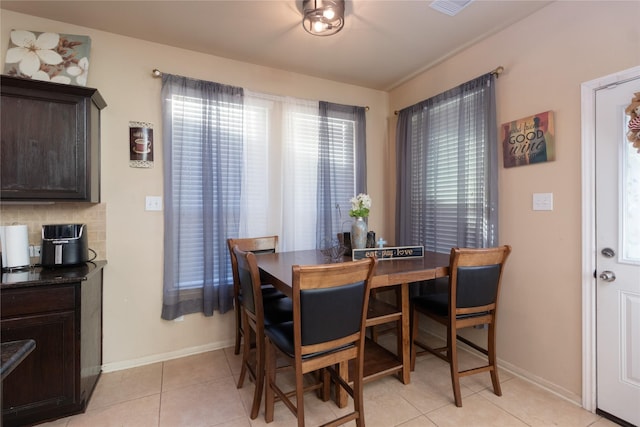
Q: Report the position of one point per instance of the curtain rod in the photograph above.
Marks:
(157, 73)
(495, 72)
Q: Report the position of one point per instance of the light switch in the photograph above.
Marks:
(153, 203)
(542, 201)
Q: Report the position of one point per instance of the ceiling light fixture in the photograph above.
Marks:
(323, 17)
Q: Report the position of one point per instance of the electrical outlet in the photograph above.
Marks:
(153, 203)
(34, 251)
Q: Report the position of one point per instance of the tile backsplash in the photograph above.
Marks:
(35, 216)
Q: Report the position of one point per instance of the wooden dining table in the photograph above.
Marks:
(393, 274)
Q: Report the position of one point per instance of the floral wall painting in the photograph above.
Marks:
(529, 140)
(140, 145)
(59, 58)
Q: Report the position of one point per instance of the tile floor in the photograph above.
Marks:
(200, 390)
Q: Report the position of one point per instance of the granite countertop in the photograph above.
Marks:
(37, 276)
(14, 352)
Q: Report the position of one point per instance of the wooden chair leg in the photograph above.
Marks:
(246, 351)
(491, 347)
(452, 354)
(358, 401)
(270, 374)
(299, 398)
(342, 397)
(259, 380)
(236, 348)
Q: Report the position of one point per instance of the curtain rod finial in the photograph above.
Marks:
(156, 73)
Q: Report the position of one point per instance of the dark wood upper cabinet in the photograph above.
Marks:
(50, 145)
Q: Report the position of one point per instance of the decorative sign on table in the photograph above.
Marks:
(529, 140)
(389, 253)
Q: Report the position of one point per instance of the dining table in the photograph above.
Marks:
(391, 274)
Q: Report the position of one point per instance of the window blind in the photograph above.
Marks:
(448, 199)
(192, 118)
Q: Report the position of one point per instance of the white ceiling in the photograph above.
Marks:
(383, 42)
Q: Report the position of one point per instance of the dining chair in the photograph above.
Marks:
(470, 299)
(266, 244)
(328, 330)
(256, 315)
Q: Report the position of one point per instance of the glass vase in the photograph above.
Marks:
(359, 233)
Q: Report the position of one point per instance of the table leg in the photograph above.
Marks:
(406, 335)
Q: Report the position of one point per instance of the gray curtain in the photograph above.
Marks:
(202, 148)
(331, 169)
(447, 184)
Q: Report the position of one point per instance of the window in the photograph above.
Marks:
(239, 164)
(194, 186)
(447, 182)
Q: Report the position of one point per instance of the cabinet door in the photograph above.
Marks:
(44, 383)
(50, 148)
(43, 147)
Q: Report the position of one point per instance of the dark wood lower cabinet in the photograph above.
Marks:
(58, 377)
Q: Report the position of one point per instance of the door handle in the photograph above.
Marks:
(608, 276)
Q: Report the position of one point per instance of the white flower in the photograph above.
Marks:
(41, 75)
(360, 205)
(80, 71)
(29, 51)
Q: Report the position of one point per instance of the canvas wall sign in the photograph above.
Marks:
(529, 140)
(60, 58)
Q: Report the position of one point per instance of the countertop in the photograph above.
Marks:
(39, 276)
(14, 352)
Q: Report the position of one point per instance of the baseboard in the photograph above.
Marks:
(541, 382)
(163, 357)
(522, 373)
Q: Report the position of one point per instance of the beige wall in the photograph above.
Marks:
(121, 70)
(546, 58)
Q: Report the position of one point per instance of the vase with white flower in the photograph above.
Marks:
(360, 206)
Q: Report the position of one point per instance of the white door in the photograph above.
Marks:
(618, 256)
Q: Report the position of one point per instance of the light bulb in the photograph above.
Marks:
(329, 14)
(319, 26)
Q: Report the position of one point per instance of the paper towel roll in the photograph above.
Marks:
(15, 246)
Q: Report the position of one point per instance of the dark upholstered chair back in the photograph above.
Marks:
(477, 286)
(331, 313)
(247, 276)
(328, 300)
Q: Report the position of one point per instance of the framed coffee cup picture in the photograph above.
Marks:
(140, 145)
